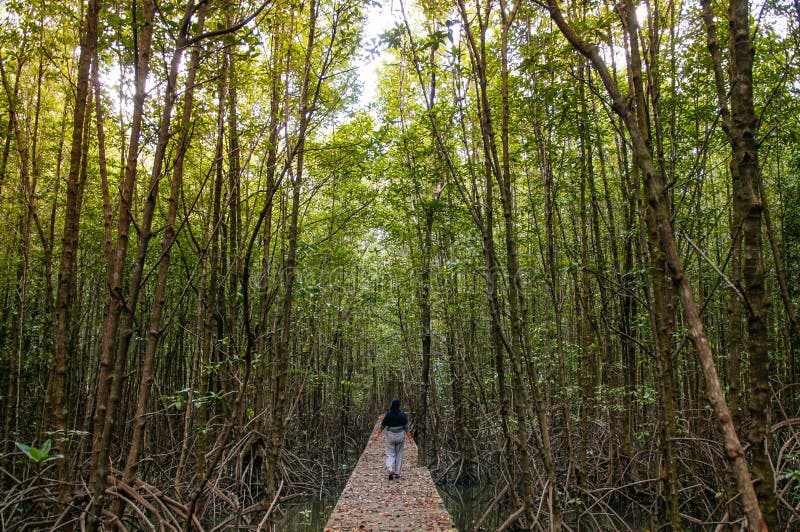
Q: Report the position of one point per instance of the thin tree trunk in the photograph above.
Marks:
(552, 283)
(425, 288)
(587, 325)
(234, 211)
(744, 129)
(25, 192)
(69, 239)
(108, 243)
(500, 171)
(109, 369)
(425, 332)
(155, 331)
(211, 292)
(662, 314)
(783, 283)
(741, 126)
(145, 233)
(281, 379)
(265, 294)
(736, 330)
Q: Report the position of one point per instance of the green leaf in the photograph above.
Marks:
(36, 455)
(25, 449)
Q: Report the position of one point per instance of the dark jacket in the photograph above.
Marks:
(395, 417)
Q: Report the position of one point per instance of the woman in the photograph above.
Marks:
(396, 424)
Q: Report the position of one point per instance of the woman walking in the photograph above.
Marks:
(396, 424)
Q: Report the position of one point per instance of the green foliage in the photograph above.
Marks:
(177, 400)
(790, 473)
(39, 455)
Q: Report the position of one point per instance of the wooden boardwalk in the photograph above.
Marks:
(372, 502)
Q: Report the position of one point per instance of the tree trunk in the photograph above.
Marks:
(425, 331)
(234, 210)
(500, 171)
(116, 299)
(589, 339)
(744, 129)
(741, 127)
(662, 313)
(65, 293)
(281, 378)
(736, 330)
(155, 332)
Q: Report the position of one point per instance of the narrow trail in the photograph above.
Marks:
(372, 502)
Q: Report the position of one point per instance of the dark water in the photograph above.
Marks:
(307, 515)
(466, 504)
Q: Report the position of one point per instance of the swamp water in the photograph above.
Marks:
(308, 514)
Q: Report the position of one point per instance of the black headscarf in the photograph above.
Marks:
(394, 416)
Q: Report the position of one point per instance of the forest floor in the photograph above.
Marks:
(372, 502)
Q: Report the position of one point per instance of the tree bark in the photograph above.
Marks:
(425, 333)
(744, 165)
(65, 292)
(109, 369)
(741, 127)
(155, 331)
(281, 378)
(662, 307)
(266, 293)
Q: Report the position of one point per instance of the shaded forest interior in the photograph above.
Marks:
(566, 234)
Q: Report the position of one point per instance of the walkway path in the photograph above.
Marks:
(372, 502)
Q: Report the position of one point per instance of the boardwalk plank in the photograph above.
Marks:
(372, 502)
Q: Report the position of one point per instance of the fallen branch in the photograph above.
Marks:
(511, 519)
(494, 502)
(271, 507)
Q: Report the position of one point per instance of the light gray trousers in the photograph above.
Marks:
(395, 441)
